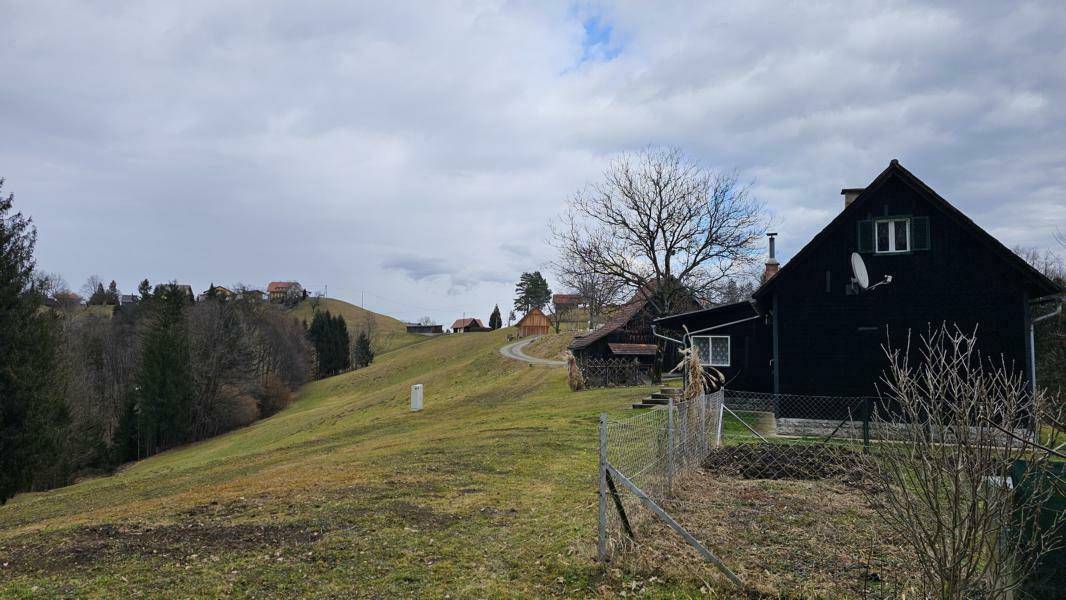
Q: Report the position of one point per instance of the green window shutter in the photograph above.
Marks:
(866, 236)
(920, 233)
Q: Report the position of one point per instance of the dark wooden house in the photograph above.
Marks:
(534, 322)
(809, 329)
(423, 329)
(628, 334)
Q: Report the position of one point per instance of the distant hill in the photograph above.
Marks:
(388, 333)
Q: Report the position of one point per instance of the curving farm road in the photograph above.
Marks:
(514, 352)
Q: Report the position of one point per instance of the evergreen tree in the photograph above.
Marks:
(162, 391)
(329, 335)
(98, 297)
(363, 354)
(531, 292)
(30, 414)
(495, 320)
(144, 289)
(112, 293)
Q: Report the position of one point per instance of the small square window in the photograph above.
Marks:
(713, 349)
(894, 235)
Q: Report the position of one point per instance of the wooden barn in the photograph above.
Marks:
(811, 328)
(628, 335)
(534, 322)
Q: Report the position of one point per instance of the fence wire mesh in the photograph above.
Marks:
(653, 447)
(763, 481)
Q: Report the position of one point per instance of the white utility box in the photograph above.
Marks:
(416, 397)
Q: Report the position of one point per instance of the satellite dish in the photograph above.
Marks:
(858, 268)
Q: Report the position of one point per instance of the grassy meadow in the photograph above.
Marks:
(489, 492)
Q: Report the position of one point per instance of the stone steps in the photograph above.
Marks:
(660, 398)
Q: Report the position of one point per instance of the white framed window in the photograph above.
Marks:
(713, 349)
(892, 235)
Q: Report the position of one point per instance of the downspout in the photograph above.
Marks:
(1032, 341)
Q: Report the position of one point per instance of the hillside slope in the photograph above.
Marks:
(488, 492)
(389, 333)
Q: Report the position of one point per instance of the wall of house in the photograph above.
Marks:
(749, 344)
(830, 343)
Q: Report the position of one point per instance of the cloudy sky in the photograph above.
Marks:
(412, 154)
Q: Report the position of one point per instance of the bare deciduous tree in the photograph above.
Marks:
(660, 221)
(950, 429)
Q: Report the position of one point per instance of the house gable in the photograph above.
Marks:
(896, 192)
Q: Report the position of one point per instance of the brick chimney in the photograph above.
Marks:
(772, 266)
(850, 194)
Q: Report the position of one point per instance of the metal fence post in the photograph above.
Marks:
(866, 423)
(670, 448)
(721, 415)
(703, 426)
(602, 545)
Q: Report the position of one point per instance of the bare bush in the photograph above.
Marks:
(951, 427)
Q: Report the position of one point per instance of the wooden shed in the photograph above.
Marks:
(534, 323)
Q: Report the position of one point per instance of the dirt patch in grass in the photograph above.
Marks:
(787, 539)
(88, 546)
(784, 461)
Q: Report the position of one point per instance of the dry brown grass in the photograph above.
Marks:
(551, 346)
(785, 539)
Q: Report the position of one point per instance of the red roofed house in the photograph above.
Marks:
(468, 326)
(278, 291)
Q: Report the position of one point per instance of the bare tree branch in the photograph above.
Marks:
(659, 221)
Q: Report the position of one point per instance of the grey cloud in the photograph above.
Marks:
(419, 153)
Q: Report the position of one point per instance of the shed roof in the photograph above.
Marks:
(633, 349)
(621, 316)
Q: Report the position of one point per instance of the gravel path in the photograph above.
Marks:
(514, 352)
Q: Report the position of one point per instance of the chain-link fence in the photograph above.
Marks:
(653, 447)
(747, 482)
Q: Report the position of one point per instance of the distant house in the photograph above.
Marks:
(279, 291)
(66, 299)
(565, 302)
(421, 329)
(468, 326)
(222, 293)
(534, 323)
(125, 299)
(181, 287)
(251, 295)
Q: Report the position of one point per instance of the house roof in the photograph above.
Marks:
(566, 298)
(735, 311)
(894, 169)
(463, 323)
(280, 286)
(621, 316)
(633, 349)
(536, 312)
